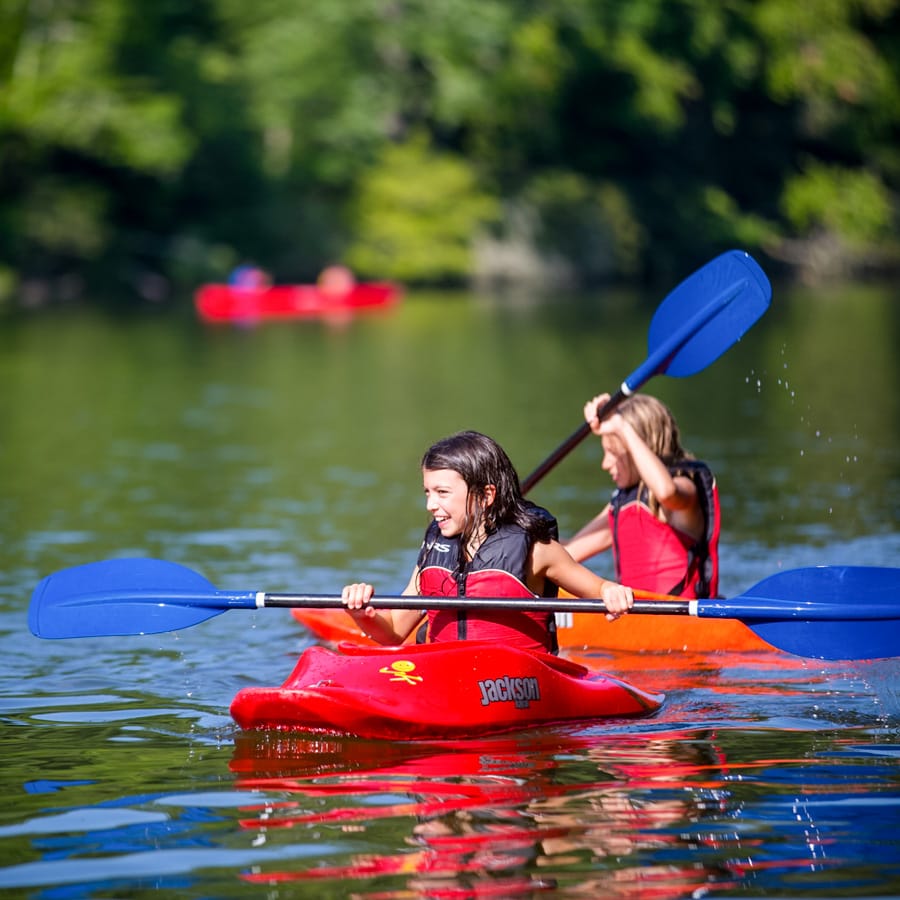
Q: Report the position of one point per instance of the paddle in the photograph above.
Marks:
(837, 612)
(693, 326)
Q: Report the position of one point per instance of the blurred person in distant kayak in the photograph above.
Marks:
(662, 522)
(249, 276)
(484, 540)
(336, 281)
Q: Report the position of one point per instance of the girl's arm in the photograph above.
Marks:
(388, 626)
(672, 493)
(552, 560)
(593, 538)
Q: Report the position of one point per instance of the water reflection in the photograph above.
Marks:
(501, 816)
(665, 814)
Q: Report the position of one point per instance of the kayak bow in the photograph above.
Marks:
(435, 691)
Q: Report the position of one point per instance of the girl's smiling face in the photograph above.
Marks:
(447, 499)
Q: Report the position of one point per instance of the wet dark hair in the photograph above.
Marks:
(480, 461)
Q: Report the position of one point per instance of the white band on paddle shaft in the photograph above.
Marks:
(260, 599)
(693, 608)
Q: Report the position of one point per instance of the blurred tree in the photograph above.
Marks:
(837, 65)
(418, 213)
(850, 203)
(614, 139)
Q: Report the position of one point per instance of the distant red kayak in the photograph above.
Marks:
(227, 303)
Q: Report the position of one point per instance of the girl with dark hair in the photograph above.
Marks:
(484, 540)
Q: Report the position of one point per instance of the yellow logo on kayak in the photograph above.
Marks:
(400, 670)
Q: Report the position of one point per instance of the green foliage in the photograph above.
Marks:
(836, 61)
(662, 85)
(8, 284)
(66, 92)
(65, 219)
(416, 213)
(849, 203)
(638, 135)
(13, 16)
(732, 225)
(818, 53)
(592, 227)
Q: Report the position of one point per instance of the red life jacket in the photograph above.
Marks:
(498, 570)
(653, 556)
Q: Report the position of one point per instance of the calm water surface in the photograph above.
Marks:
(285, 458)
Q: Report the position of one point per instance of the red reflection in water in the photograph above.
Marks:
(651, 814)
(498, 817)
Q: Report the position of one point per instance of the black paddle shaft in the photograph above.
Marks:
(571, 442)
(537, 604)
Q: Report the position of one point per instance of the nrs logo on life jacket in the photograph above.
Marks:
(519, 691)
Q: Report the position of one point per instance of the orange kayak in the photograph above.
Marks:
(657, 634)
(227, 303)
(634, 633)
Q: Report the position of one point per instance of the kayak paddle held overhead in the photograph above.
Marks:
(825, 612)
(693, 326)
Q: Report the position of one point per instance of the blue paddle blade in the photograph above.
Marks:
(119, 597)
(821, 612)
(705, 315)
(832, 639)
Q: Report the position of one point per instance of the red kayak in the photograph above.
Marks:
(435, 691)
(227, 303)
